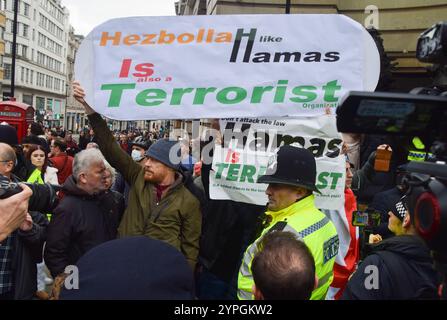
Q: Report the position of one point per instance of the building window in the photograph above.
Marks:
(40, 58)
(24, 52)
(57, 84)
(49, 104)
(40, 103)
(7, 67)
(57, 106)
(58, 66)
(41, 40)
(39, 79)
(49, 82)
(28, 99)
(22, 74)
(26, 9)
(3, 5)
(25, 30)
(31, 76)
(40, 108)
(8, 46)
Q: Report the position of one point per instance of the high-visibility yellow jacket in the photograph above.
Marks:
(417, 151)
(36, 177)
(314, 228)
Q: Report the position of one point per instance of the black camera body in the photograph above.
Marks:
(44, 196)
(7, 188)
(409, 115)
(421, 113)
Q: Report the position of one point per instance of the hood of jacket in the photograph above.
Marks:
(71, 188)
(410, 246)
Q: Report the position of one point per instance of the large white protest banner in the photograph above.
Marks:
(224, 66)
(248, 144)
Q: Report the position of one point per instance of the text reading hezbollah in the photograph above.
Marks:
(225, 96)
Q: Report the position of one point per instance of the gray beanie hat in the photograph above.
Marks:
(167, 152)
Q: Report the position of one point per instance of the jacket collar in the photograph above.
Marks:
(71, 188)
(299, 206)
(410, 246)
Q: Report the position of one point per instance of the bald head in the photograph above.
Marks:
(7, 159)
(284, 268)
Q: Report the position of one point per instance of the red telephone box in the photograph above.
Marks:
(18, 115)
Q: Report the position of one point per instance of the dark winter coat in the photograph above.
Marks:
(229, 227)
(27, 247)
(79, 223)
(403, 269)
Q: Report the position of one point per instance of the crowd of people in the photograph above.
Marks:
(124, 203)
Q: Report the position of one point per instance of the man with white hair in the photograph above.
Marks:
(87, 215)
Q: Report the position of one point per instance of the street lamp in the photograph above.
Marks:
(287, 6)
(14, 48)
(65, 107)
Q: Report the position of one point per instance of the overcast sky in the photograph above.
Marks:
(87, 14)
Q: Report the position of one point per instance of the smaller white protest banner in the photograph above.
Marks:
(235, 172)
(248, 144)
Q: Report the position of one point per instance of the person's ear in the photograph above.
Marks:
(300, 193)
(316, 282)
(10, 166)
(82, 178)
(257, 293)
(407, 220)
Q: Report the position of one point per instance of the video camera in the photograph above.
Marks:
(412, 115)
(44, 196)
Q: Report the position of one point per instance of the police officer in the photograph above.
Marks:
(291, 176)
(417, 150)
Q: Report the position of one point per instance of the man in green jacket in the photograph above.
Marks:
(160, 206)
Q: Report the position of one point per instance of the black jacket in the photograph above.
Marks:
(27, 247)
(27, 252)
(79, 223)
(404, 270)
(83, 141)
(228, 228)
